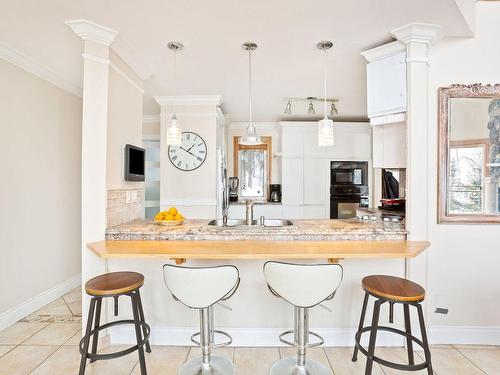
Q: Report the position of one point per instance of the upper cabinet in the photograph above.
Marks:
(386, 83)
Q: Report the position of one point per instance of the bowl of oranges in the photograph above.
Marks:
(170, 217)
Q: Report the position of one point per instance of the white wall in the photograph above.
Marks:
(124, 120)
(463, 259)
(39, 186)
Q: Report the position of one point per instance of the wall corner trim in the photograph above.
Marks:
(16, 58)
(88, 30)
(383, 51)
(28, 307)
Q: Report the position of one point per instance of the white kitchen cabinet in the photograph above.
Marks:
(389, 146)
(386, 85)
(292, 178)
(315, 181)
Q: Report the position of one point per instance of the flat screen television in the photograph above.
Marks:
(134, 163)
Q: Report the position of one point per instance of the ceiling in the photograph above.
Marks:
(286, 62)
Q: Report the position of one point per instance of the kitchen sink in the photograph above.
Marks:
(256, 223)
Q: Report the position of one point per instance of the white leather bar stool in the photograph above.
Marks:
(303, 286)
(201, 288)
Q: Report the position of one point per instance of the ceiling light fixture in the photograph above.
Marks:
(325, 126)
(310, 110)
(250, 138)
(288, 108)
(174, 133)
(333, 110)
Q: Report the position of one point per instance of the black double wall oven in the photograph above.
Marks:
(348, 188)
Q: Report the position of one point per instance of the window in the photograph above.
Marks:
(252, 165)
(466, 177)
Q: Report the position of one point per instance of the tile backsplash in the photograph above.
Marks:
(124, 205)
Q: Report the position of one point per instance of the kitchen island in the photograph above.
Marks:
(362, 247)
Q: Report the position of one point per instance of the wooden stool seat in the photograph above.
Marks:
(114, 283)
(393, 288)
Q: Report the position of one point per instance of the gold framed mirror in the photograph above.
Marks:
(469, 154)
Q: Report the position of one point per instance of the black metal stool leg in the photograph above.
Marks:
(138, 334)
(409, 342)
(424, 339)
(96, 327)
(143, 319)
(86, 343)
(373, 337)
(361, 322)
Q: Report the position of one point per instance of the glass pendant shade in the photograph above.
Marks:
(325, 132)
(174, 133)
(250, 138)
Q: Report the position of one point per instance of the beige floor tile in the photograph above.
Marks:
(227, 352)
(255, 361)
(57, 307)
(74, 301)
(75, 339)
(450, 362)
(397, 355)
(486, 360)
(64, 361)
(4, 349)
(163, 360)
(23, 359)
(342, 364)
(315, 354)
(475, 347)
(19, 332)
(118, 366)
(54, 334)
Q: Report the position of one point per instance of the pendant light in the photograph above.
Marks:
(174, 133)
(250, 138)
(325, 126)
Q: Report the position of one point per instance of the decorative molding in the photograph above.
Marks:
(24, 62)
(415, 32)
(474, 90)
(125, 52)
(98, 59)
(33, 304)
(88, 30)
(383, 51)
(464, 335)
(185, 100)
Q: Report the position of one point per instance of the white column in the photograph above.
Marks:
(97, 40)
(418, 38)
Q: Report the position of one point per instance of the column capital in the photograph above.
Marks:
(88, 30)
(424, 33)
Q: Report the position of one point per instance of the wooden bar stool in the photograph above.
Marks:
(393, 290)
(114, 285)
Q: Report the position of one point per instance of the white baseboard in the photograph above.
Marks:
(245, 337)
(465, 335)
(18, 312)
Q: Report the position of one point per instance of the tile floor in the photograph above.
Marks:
(45, 343)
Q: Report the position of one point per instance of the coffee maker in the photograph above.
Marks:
(275, 193)
(233, 183)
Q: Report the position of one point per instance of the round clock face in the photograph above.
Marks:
(191, 154)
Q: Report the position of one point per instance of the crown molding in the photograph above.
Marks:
(425, 33)
(88, 30)
(185, 100)
(24, 62)
(383, 51)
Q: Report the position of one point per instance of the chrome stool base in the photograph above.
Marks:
(218, 366)
(288, 366)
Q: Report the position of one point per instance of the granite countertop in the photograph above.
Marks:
(302, 230)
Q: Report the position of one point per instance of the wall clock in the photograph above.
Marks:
(191, 154)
